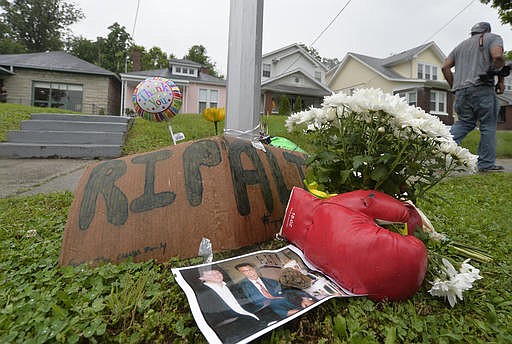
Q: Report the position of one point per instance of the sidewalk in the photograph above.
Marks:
(24, 177)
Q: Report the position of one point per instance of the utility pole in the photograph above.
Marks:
(244, 68)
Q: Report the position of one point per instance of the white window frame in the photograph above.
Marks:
(439, 98)
(182, 70)
(508, 83)
(410, 96)
(265, 70)
(207, 98)
(318, 75)
(427, 71)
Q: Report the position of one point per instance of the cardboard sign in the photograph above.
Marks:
(161, 204)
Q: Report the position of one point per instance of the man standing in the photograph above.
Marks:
(268, 292)
(475, 94)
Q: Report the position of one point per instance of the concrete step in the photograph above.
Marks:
(57, 125)
(78, 118)
(61, 137)
(36, 150)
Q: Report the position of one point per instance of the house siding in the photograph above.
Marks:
(355, 79)
(289, 60)
(427, 57)
(192, 101)
(405, 70)
(507, 124)
(99, 92)
(361, 76)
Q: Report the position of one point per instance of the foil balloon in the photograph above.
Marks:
(157, 99)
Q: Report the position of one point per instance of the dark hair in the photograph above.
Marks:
(203, 269)
(238, 266)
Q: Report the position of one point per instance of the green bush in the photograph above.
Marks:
(284, 106)
(297, 106)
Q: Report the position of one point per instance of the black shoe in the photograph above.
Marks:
(493, 168)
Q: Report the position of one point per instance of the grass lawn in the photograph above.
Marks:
(141, 302)
(40, 302)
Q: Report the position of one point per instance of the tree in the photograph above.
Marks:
(39, 25)
(155, 58)
(504, 9)
(328, 62)
(312, 51)
(197, 53)
(7, 44)
(83, 48)
(113, 50)
(284, 106)
(297, 105)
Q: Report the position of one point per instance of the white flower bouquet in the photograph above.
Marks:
(374, 140)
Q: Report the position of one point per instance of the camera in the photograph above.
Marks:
(488, 77)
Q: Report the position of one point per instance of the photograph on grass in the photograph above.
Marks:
(239, 299)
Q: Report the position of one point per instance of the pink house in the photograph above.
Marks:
(199, 89)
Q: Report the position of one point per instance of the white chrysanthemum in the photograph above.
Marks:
(460, 153)
(457, 282)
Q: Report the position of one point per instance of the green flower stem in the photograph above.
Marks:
(472, 254)
(393, 165)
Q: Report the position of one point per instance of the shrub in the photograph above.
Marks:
(297, 106)
(284, 106)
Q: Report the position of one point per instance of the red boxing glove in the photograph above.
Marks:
(339, 236)
(381, 206)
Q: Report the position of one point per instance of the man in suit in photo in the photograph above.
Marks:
(264, 292)
(222, 310)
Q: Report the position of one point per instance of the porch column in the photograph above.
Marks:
(268, 103)
(244, 68)
(123, 92)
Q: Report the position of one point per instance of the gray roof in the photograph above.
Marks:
(405, 55)
(383, 65)
(58, 61)
(165, 73)
(306, 91)
(185, 62)
(378, 65)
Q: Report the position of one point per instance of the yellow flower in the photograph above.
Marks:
(214, 114)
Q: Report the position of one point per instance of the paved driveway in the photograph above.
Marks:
(34, 176)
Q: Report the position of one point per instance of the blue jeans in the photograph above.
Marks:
(473, 104)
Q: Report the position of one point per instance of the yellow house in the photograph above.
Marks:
(414, 74)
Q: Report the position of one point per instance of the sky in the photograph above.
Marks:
(377, 28)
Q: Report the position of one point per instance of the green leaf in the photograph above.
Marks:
(390, 335)
(340, 327)
(379, 173)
